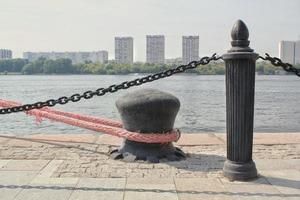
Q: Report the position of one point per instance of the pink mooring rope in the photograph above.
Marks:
(107, 126)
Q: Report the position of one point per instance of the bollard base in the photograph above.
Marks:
(132, 151)
(239, 171)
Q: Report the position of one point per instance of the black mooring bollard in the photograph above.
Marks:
(148, 111)
(240, 82)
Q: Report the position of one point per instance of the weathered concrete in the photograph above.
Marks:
(77, 156)
(75, 167)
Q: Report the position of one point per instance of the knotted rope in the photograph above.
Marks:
(103, 125)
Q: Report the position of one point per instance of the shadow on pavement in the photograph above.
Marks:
(199, 162)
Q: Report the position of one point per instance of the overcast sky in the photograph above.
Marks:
(90, 25)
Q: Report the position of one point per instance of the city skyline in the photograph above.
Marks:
(288, 51)
(88, 25)
(75, 57)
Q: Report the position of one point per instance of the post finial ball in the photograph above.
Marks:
(240, 35)
(239, 31)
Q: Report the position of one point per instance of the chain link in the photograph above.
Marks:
(278, 63)
(113, 88)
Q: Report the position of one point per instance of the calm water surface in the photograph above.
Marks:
(202, 101)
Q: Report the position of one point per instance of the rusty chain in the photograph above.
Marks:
(278, 62)
(111, 89)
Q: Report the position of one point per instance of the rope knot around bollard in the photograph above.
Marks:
(103, 125)
(178, 134)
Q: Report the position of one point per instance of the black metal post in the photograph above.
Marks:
(240, 85)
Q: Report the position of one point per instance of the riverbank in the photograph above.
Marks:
(78, 167)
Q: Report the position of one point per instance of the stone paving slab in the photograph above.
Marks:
(3, 140)
(194, 139)
(276, 138)
(286, 181)
(272, 184)
(74, 138)
(22, 142)
(11, 183)
(92, 160)
(276, 164)
(75, 167)
(200, 188)
(260, 189)
(269, 138)
(47, 171)
(150, 188)
(54, 181)
(59, 189)
(3, 162)
(109, 140)
(24, 165)
(99, 188)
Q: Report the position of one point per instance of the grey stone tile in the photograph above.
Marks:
(24, 165)
(200, 188)
(99, 188)
(3, 162)
(259, 189)
(150, 188)
(286, 181)
(54, 181)
(12, 182)
(259, 180)
(48, 189)
(49, 193)
(50, 168)
(277, 164)
(16, 177)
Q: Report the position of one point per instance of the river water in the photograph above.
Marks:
(202, 99)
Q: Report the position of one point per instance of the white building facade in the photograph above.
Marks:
(190, 48)
(124, 50)
(155, 50)
(5, 54)
(297, 52)
(287, 51)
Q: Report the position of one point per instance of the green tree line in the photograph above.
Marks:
(65, 66)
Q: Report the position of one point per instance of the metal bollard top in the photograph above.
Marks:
(240, 44)
(148, 111)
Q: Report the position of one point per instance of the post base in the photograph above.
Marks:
(132, 151)
(239, 171)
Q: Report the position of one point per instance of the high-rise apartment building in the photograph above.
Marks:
(190, 48)
(287, 51)
(5, 54)
(124, 50)
(76, 57)
(155, 52)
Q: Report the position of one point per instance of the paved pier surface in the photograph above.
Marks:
(77, 167)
